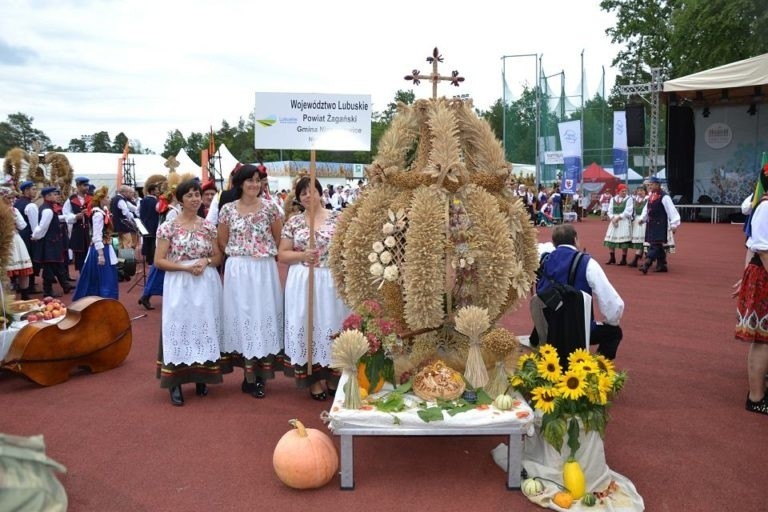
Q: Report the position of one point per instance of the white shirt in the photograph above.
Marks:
(97, 218)
(66, 210)
(45, 220)
(213, 211)
(628, 208)
(746, 205)
(32, 213)
(20, 222)
(758, 242)
(673, 216)
(610, 304)
(128, 208)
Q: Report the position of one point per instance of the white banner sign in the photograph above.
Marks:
(335, 122)
(553, 157)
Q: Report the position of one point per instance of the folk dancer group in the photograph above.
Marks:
(643, 223)
(209, 327)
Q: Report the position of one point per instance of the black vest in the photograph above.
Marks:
(657, 222)
(52, 247)
(26, 233)
(118, 219)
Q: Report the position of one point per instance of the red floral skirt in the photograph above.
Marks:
(752, 305)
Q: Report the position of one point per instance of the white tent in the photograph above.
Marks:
(634, 176)
(186, 165)
(743, 73)
(227, 161)
(101, 168)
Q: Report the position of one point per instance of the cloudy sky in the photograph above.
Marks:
(148, 67)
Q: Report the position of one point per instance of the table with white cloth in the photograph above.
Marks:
(349, 423)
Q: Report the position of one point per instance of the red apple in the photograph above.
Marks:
(32, 318)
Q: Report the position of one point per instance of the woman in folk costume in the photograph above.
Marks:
(329, 311)
(98, 276)
(638, 225)
(662, 219)
(619, 232)
(752, 297)
(19, 263)
(190, 344)
(167, 208)
(605, 202)
(249, 230)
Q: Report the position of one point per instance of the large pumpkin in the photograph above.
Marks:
(305, 458)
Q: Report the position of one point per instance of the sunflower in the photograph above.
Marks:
(526, 357)
(572, 385)
(579, 356)
(547, 350)
(516, 381)
(544, 398)
(549, 368)
(604, 386)
(586, 366)
(605, 364)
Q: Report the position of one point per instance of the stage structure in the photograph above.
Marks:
(652, 89)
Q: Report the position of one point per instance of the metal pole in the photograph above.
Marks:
(504, 106)
(504, 135)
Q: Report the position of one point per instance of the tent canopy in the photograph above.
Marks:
(596, 174)
(735, 82)
(186, 164)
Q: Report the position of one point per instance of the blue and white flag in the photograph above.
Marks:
(570, 141)
(620, 149)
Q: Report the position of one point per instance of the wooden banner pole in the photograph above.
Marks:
(311, 277)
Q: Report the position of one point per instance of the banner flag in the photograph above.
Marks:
(620, 149)
(570, 141)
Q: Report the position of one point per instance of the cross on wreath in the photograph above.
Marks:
(434, 77)
(171, 164)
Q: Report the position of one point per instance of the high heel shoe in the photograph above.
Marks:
(201, 389)
(176, 397)
(144, 301)
(320, 397)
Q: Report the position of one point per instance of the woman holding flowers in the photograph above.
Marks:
(328, 310)
(249, 231)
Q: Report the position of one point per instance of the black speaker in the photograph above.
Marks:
(635, 124)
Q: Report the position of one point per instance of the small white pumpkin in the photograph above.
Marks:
(503, 402)
(532, 487)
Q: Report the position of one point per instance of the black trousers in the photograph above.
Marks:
(656, 252)
(607, 337)
(53, 272)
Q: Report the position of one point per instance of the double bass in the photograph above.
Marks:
(95, 334)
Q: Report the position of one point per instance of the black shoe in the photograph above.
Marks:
(611, 260)
(247, 387)
(760, 407)
(51, 293)
(67, 288)
(320, 397)
(634, 262)
(144, 301)
(177, 398)
(24, 295)
(201, 389)
(660, 268)
(259, 389)
(71, 280)
(644, 268)
(623, 261)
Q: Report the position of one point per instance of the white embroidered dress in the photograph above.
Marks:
(191, 304)
(329, 311)
(253, 296)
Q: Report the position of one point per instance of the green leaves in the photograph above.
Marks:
(573, 437)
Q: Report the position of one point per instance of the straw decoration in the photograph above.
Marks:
(424, 267)
(472, 321)
(346, 351)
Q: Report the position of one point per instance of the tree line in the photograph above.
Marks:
(679, 36)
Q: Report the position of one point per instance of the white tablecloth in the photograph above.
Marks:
(7, 335)
(520, 415)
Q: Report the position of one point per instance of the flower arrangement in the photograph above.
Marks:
(383, 257)
(580, 394)
(383, 341)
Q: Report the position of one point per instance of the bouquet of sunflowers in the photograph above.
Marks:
(566, 397)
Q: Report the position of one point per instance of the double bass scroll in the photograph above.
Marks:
(95, 333)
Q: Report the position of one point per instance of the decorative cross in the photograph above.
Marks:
(435, 77)
(171, 164)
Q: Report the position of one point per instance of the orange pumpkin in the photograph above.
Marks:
(362, 380)
(305, 458)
